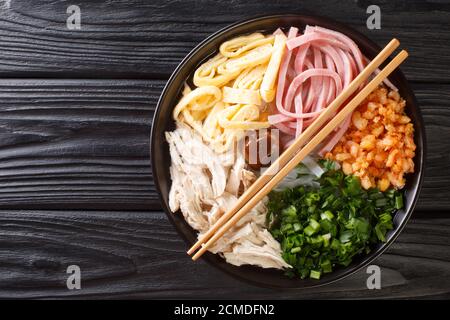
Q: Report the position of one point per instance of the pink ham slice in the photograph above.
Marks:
(315, 68)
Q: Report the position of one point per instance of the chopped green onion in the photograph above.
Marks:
(390, 193)
(381, 202)
(326, 266)
(314, 274)
(335, 243)
(346, 236)
(317, 241)
(376, 195)
(286, 227)
(295, 250)
(314, 224)
(398, 202)
(327, 215)
(309, 231)
(326, 239)
(290, 211)
(327, 226)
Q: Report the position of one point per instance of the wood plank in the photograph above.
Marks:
(84, 144)
(434, 105)
(77, 144)
(137, 38)
(128, 254)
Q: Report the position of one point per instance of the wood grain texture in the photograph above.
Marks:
(77, 144)
(147, 39)
(138, 254)
(75, 177)
(84, 144)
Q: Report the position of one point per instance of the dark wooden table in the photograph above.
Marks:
(75, 178)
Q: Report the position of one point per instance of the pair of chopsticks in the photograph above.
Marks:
(302, 146)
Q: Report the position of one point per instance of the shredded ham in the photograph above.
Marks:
(316, 67)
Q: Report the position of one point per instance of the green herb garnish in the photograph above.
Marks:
(321, 228)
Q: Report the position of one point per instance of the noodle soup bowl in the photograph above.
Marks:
(163, 122)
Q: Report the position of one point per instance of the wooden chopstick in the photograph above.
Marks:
(300, 141)
(319, 137)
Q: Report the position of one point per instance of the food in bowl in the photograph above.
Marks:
(321, 215)
(378, 147)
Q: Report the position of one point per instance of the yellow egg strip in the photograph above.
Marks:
(242, 117)
(227, 99)
(241, 96)
(211, 124)
(239, 45)
(209, 96)
(250, 78)
(254, 57)
(208, 75)
(186, 89)
(271, 75)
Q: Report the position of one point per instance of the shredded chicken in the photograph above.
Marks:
(206, 184)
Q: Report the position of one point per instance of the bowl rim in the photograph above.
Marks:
(357, 37)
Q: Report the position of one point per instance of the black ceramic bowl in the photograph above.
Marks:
(163, 122)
